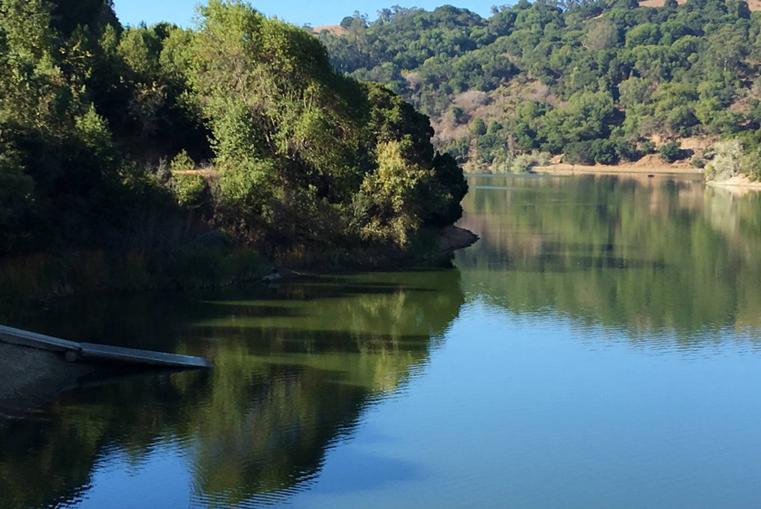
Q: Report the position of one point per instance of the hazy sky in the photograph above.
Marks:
(300, 12)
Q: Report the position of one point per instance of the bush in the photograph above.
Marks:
(524, 163)
(671, 152)
(698, 162)
(182, 162)
(726, 162)
(191, 191)
(242, 191)
(604, 152)
(578, 153)
(633, 150)
(478, 127)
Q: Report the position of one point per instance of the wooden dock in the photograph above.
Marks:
(100, 354)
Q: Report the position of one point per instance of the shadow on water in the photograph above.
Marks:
(294, 367)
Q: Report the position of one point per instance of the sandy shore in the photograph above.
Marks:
(740, 184)
(621, 169)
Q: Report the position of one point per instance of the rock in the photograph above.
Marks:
(273, 276)
(454, 238)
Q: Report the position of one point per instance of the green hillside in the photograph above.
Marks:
(597, 81)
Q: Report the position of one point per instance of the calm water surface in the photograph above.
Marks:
(599, 348)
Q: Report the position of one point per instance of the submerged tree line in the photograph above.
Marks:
(599, 81)
(236, 132)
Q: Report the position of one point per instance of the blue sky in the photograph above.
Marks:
(314, 12)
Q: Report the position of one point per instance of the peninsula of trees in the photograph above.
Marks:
(596, 81)
(142, 141)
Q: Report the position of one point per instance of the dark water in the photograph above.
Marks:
(599, 348)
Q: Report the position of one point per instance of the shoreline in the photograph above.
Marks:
(36, 278)
(738, 183)
(621, 169)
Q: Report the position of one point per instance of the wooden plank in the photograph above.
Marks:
(93, 353)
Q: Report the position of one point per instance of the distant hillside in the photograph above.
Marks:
(753, 5)
(597, 81)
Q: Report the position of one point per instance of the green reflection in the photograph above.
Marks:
(634, 252)
(294, 367)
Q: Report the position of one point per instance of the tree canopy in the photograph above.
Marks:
(267, 141)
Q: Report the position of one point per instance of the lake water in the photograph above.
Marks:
(599, 348)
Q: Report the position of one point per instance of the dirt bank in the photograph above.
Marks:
(739, 183)
(647, 166)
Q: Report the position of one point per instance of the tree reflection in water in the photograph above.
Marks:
(294, 368)
(642, 254)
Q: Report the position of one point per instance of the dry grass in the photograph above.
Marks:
(497, 106)
(208, 173)
(471, 100)
(336, 30)
(698, 144)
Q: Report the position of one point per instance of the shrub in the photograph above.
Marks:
(478, 127)
(524, 163)
(243, 191)
(191, 190)
(633, 150)
(603, 151)
(698, 162)
(578, 153)
(726, 162)
(182, 162)
(671, 152)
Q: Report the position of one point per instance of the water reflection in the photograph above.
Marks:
(639, 253)
(294, 369)
(520, 389)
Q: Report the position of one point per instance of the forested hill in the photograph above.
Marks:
(140, 140)
(598, 81)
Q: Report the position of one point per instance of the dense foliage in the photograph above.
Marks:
(597, 80)
(266, 140)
